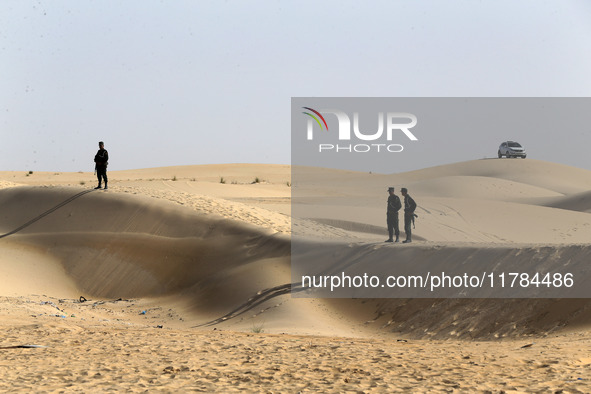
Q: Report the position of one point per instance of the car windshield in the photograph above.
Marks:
(514, 145)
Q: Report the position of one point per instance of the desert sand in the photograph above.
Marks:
(176, 279)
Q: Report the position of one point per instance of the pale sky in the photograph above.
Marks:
(196, 82)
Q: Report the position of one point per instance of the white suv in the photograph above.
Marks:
(511, 149)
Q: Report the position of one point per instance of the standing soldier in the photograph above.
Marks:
(409, 213)
(394, 206)
(101, 160)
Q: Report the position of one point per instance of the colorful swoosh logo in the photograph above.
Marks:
(315, 118)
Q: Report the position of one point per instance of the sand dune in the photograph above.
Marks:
(176, 248)
(480, 187)
(552, 176)
(580, 202)
(501, 201)
(135, 245)
(115, 245)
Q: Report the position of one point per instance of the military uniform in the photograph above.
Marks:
(409, 213)
(394, 206)
(102, 160)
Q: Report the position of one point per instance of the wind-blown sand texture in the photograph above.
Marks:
(185, 280)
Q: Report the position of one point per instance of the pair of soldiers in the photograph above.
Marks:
(394, 206)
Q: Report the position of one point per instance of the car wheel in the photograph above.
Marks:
(499, 153)
(523, 157)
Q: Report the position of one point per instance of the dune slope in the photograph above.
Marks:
(114, 245)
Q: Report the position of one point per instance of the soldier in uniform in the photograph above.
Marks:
(409, 213)
(394, 206)
(101, 160)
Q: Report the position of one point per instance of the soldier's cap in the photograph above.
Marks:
(390, 189)
(404, 190)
